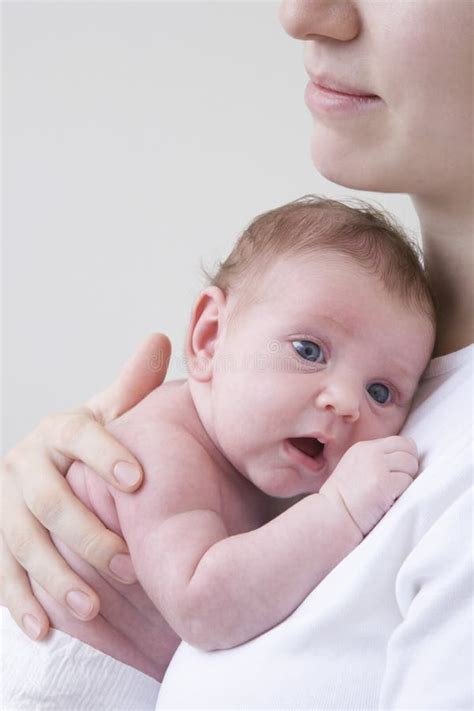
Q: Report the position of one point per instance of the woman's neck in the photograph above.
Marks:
(447, 229)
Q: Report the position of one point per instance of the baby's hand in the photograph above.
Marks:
(370, 477)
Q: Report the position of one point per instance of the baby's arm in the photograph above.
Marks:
(218, 591)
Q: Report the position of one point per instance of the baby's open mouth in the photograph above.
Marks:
(310, 446)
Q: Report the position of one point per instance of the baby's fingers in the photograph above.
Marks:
(398, 483)
(402, 462)
(397, 443)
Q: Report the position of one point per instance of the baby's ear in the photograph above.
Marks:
(206, 324)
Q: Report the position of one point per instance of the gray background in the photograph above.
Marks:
(137, 139)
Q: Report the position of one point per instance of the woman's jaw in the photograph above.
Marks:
(411, 130)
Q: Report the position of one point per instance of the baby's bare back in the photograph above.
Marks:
(129, 627)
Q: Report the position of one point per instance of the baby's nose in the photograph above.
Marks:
(342, 399)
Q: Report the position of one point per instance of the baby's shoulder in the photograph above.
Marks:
(180, 473)
(166, 415)
(164, 434)
(169, 402)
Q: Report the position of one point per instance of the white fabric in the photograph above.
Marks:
(64, 674)
(392, 626)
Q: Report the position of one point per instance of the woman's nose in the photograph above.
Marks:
(341, 399)
(306, 19)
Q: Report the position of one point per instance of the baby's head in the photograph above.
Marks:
(312, 336)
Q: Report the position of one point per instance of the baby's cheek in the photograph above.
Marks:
(399, 418)
(239, 436)
(387, 423)
(253, 411)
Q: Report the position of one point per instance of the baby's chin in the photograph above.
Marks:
(288, 482)
(293, 467)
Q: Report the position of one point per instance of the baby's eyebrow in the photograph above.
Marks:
(306, 321)
(403, 373)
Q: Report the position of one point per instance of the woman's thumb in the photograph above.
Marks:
(141, 374)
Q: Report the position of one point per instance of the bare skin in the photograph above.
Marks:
(56, 443)
(129, 626)
(434, 167)
(377, 46)
(450, 265)
(222, 513)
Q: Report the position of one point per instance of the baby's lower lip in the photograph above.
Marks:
(314, 464)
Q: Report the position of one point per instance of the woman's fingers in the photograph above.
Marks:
(50, 571)
(144, 372)
(17, 596)
(77, 435)
(36, 496)
(48, 501)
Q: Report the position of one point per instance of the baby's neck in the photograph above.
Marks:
(201, 396)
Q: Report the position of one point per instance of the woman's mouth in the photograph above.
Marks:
(321, 99)
(307, 452)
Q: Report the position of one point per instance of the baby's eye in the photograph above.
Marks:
(309, 351)
(379, 392)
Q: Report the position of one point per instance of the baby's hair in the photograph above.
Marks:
(311, 224)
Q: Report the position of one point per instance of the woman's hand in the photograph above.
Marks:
(36, 497)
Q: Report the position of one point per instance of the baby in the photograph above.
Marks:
(279, 453)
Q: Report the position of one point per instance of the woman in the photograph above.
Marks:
(390, 627)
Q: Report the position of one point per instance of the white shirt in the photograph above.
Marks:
(391, 627)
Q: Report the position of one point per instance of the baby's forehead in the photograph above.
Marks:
(329, 283)
(289, 277)
(334, 288)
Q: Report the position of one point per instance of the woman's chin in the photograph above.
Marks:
(351, 167)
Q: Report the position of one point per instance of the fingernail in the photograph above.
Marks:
(79, 602)
(31, 626)
(126, 473)
(121, 566)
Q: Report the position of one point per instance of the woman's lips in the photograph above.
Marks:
(321, 99)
